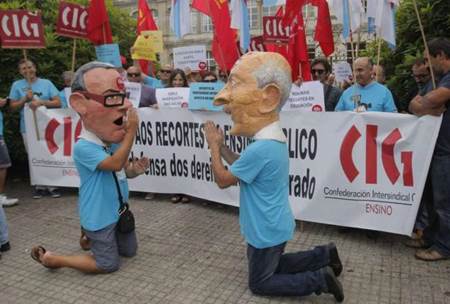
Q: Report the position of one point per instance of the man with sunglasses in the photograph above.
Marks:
(101, 157)
(148, 97)
(321, 70)
(162, 79)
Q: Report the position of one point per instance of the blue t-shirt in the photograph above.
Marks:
(376, 96)
(153, 82)
(265, 215)
(443, 140)
(62, 97)
(42, 88)
(98, 201)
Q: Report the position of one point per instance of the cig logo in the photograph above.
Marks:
(387, 156)
(50, 131)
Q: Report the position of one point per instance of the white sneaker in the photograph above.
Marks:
(8, 202)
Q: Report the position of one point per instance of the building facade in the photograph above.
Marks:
(202, 28)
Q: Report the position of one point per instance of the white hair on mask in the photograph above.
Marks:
(272, 72)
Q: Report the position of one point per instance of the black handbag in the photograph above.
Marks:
(126, 223)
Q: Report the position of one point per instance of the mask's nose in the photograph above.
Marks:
(223, 97)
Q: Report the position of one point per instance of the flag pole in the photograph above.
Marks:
(433, 79)
(378, 59)
(24, 53)
(351, 34)
(74, 51)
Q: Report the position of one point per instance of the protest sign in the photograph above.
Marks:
(202, 95)
(367, 170)
(192, 57)
(72, 20)
(143, 49)
(157, 39)
(134, 91)
(109, 53)
(342, 71)
(307, 97)
(21, 29)
(173, 97)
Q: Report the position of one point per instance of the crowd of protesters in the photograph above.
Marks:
(368, 92)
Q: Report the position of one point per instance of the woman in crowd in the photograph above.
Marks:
(178, 79)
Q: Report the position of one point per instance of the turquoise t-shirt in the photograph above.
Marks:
(42, 88)
(376, 96)
(153, 82)
(265, 215)
(98, 200)
(62, 97)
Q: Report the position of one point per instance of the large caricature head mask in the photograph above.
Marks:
(257, 88)
(98, 95)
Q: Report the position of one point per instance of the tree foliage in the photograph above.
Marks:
(56, 57)
(435, 19)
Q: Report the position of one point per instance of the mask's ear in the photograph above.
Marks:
(77, 101)
(271, 95)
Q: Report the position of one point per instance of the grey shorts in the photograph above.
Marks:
(5, 161)
(108, 244)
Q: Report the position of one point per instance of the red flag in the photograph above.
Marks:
(324, 30)
(223, 47)
(98, 28)
(281, 49)
(298, 51)
(145, 22)
(202, 6)
(293, 8)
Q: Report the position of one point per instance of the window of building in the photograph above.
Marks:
(270, 10)
(155, 16)
(211, 63)
(206, 24)
(194, 22)
(253, 14)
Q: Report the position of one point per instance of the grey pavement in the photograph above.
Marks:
(193, 253)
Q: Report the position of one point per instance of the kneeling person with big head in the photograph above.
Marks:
(258, 86)
(101, 157)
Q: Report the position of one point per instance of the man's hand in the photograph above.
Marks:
(34, 104)
(299, 81)
(29, 95)
(2, 102)
(214, 136)
(132, 121)
(137, 166)
(155, 106)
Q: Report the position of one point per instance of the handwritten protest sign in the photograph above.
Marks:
(143, 48)
(342, 71)
(202, 95)
(173, 97)
(157, 39)
(307, 97)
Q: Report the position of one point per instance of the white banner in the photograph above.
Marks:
(172, 97)
(192, 57)
(363, 170)
(307, 97)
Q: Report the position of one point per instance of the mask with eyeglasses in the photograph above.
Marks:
(109, 100)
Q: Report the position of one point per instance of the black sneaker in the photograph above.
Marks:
(333, 285)
(38, 193)
(335, 262)
(54, 193)
(5, 247)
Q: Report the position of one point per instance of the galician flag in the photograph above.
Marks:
(385, 20)
(180, 18)
(240, 21)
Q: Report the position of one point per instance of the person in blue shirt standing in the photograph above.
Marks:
(101, 156)
(34, 92)
(366, 94)
(257, 88)
(67, 78)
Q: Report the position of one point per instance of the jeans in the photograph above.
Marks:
(427, 198)
(4, 238)
(438, 231)
(292, 274)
